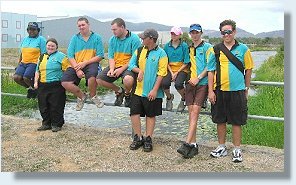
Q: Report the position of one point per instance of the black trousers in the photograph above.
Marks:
(51, 101)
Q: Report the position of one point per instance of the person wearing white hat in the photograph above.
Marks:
(178, 56)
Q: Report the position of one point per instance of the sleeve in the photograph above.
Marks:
(249, 63)
(111, 49)
(163, 65)
(136, 44)
(133, 63)
(99, 48)
(42, 45)
(71, 48)
(186, 54)
(65, 63)
(211, 63)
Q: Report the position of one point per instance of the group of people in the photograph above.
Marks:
(221, 72)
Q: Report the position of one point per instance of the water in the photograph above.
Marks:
(170, 123)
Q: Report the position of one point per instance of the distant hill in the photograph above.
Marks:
(63, 29)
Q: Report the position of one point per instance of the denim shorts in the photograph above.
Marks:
(26, 70)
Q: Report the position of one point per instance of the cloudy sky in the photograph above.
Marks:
(252, 16)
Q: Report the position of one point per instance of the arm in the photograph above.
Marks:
(36, 79)
(247, 80)
(153, 93)
(211, 93)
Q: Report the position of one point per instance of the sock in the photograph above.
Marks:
(222, 145)
(195, 145)
(120, 90)
(236, 147)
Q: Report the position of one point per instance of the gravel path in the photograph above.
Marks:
(89, 149)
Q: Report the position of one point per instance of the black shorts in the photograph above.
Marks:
(144, 107)
(91, 70)
(103, 75)
(230, 107)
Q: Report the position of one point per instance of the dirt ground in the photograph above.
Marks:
(88, 149)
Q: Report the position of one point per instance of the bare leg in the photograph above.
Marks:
(19, 80)
(136, 124)
(71, 87)
(221, 131)
(193, 118)
(108, 85)
(150, 124)
(236, 135)
(128, 82)
(92, 86)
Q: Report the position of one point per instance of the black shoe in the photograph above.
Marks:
(193, 152)
(119, 98)
(148, 144)
(44, 127)
(127, 101)
(137, 142)
(184, 150)
(31, 93)
(55, 129)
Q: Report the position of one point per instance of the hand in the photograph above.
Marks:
(140, 76)
(247, 93)
(35, 85)
(174, 76)
(152, 95)
(212, 97)
(80, 66)
(193, 81)
(80, 74)
(117, 72)
(110, 73)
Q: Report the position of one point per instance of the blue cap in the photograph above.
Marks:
(195, 27)
(33, 25)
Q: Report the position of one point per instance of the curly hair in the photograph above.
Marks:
(228, 22)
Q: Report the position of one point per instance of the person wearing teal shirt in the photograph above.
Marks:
(51, 94)
(151, 67)
(178, 55)
(31, 48)
(85, 51)
(121, 47)
(228, 89)
(197, 87)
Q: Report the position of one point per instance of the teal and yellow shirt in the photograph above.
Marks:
(82, 50)
(31, 48)
(231, 77)
(154, 63)
(121, 50)
(51, 67)
(199, 57)
(177, 56)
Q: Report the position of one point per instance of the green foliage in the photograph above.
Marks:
(268, 101)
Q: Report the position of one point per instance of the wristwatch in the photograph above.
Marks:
(199, 77)
(247, 88)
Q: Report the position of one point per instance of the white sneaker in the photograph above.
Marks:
(237, 155)
(97, 101)
(80, 102)
(219, 152)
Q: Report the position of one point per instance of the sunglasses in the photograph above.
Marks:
(226, 32)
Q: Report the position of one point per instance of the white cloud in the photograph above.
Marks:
(252, 16)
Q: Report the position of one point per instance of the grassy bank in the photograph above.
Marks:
(269, 101)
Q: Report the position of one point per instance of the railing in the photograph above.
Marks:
(253, 83)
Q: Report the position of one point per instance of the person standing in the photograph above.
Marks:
(197, 87)
(178, 56)
(121, 47)
(31, 48)
(151, 67)
(85, 51)
(229, 82)
(51, 94)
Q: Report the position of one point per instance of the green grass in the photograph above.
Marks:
(269, 101)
